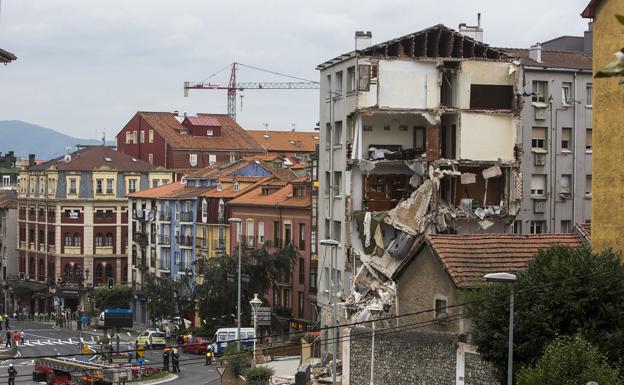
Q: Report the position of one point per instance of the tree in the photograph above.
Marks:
(562, 292)
(569, 360)
(118, 297)
(159, 292)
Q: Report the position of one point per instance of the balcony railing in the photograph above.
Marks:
(51, 249)
(140, 237)
(186, 217)
(184, 240)
(42, 248)
(165, 262)
(164, 216)
(163, 240)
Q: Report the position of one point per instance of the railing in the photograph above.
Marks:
(51, 249)
(163, 240)
(184, 240)
(165, 263)
(164, 216)
(186, 217)
(42, 247)
(140, 237)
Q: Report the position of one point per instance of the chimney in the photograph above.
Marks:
(535, 52)
(363, 40)
(587, 39)
(473, 31)
(31, 159)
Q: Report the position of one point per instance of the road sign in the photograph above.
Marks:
(263, 316)
(221, 370)
(118, 318)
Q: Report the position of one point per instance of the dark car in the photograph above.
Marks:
(198, 346)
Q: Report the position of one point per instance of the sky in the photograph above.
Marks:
(85, 67)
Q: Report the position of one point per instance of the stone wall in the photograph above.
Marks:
(412, 358)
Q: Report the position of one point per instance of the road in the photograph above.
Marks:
(44, 340)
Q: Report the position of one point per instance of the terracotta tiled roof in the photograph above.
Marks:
(239, 178)
(94, 157)
(229, 192)
(203, 121)
(8, 199)
(300, 166)
(553, 59)
(280, 198)
(170, 191)
(233, 136)
(286, 141)
(466, 258)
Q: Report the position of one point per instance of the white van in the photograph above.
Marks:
(225, 335)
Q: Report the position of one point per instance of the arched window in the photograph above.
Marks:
(68, 239)
(236, 186)
(99, 271)
(77, 239)
(204, 209)
(98, 239)
(109, 270)
(67, 271)
(109, 239)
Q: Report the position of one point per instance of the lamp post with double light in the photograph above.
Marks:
(333, 244)
(239, 239)
(507, 278)
(255, 305)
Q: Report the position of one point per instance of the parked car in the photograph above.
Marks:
(157, 337)
(198, 346)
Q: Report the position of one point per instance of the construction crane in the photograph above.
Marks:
(233, 87)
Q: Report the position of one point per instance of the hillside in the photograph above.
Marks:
(25, 138)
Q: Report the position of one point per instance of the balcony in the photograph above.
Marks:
(186, 217)
(31, 246)
(104, 250)
(184, 240)
(164, 217)
(72, 250)
(163, 240)
(42, 248)
(22, 245)
(140, 238)
(51, 249)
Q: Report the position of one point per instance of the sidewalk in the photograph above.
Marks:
(96, 330)
(285, 369)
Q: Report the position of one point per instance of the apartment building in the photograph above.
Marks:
(556, 140)
(418, 135)
(10, 166)
(73, 224)
(8, 243)
(185, 143)
(280, 212)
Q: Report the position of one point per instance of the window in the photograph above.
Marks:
(299, 191)
(212, 158)
(588, 94)
(588, 185)
(540, 90)
(261, 233)
(151, 136)
(193, 160)
(77, 239)
(338, 132)
(6, 180)
(150, 158)
(301, 271)
(72, 185)
(539, 138)
(328, 132)
(302, 236)
(221, 238)
(300, 303)
(232, 157)
(128, 137)
(538, 227)
(420, 139)
(566, 139)
(350, 79)
(566, 91)
(588, 140)
(276, 297)
(109, 186)
(329, 85)
(538, 185)
(313, 241)
(236, 186)
(338, 85)
(98, 239)
(109, 239)
(287, 303)
(440, 309)
(516, 227)
(313, 277)
(154, 183)
(276, 233)
(142, 136)
(337, 230)
(99, 186)
(209, 132)
(132, 185)
(250, 232)
(566, 226)
(135, 137)
(565, 184)
(337, 182)
(327, 182)
(287, 233)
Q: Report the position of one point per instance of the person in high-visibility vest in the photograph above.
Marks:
(209, 355)
(85, 349)
(140, 352)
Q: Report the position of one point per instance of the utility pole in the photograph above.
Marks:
(333, 299)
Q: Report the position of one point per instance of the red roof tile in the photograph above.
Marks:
(553, 59)
(286, 141)
(203, 121)
(466, 258)
(584, 230)
(8, 199)
(280, 198)
(93, 157)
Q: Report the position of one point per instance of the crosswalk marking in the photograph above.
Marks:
(56, 342)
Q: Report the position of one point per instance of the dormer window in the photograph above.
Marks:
(209, 132)
(299, 191)
(219, 186)
(236, 186)
(266, 191)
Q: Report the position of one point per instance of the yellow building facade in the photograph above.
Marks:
(607, 220)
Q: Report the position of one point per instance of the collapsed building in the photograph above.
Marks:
(418, 135)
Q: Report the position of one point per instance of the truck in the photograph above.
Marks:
(62, 370)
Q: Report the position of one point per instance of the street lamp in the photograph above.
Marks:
(375, 309)
(332, 243)
(255, 305)
(240, 258)
(507, 278)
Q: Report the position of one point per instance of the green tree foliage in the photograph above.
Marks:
(616, 67)
(238, 362)
(562, 292)
(258, 375)
(569, 360)
(118, 297)
(168, 297)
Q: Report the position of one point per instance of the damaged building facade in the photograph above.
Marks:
(418, 135)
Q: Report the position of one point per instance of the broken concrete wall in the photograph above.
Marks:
(487, 136)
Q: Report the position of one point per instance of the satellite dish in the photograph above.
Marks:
(67, 158)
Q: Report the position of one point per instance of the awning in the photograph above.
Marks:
(68, 293)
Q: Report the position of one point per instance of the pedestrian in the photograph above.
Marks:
(16, 338)
(8, 339)
(166, 359)
(209, 355)
(167, 333)
(6, 321)
(12, 374)
(22, 337)
(150, 341)
(176, 361)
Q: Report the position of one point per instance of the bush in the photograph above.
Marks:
(237, 361)
(258, 375)
(569, 360)
(296, 337)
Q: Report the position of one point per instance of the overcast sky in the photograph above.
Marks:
(85, 66)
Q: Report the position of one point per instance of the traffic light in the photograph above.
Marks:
(110, 283)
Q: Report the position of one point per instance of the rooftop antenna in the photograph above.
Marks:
(104, 138)
(293, 127)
